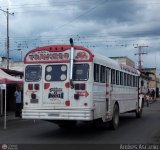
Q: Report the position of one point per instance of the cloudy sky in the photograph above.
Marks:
(109, 27)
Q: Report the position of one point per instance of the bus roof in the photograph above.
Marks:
(110, 63)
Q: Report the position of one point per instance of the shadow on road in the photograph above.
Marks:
(87, 130)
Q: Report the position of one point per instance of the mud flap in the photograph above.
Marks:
(139, 107)
(140, 102)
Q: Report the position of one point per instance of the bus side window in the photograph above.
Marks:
(121, 78)
(96, 72)
(102, 74)
(117, 77)
(128, 80)
(125, 79)
(142, 83)
(131, 80)
(134, 81)
(113, 76)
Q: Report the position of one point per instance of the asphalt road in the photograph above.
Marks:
(145, 130)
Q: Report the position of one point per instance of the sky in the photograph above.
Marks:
(109, 27)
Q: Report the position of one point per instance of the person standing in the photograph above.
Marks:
(153, 94)
(147, 99)
(17, 95)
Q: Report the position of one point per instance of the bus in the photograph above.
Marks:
(66, 84)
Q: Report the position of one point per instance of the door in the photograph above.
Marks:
(55, 92)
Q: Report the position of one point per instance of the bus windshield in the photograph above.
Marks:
(33, 73)
(80, 72)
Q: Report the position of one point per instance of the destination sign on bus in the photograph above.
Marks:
(44, 55)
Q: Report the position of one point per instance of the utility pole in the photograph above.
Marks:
(8, 13)
(139, 56)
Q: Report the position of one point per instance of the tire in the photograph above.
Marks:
(139, 113)
(139, 110)
(114, 123)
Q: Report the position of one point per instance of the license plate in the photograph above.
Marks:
(55, 115)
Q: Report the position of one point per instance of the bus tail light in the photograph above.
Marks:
(30, 86)
(82, 86)
(67, 84)
(77, 86)
(76, 96)
(46, 85)
(67, 102)
(36, 86)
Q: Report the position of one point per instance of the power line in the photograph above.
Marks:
(85, 13)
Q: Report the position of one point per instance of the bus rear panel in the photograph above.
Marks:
(49, 93)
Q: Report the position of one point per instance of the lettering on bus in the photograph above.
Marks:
(56, 93)
(45, 55)
(81, 55)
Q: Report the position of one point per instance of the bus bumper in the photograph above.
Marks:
(82, 115)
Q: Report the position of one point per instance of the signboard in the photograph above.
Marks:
(46, 56)
(3, 86)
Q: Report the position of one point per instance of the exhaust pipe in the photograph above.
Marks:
(71, 63)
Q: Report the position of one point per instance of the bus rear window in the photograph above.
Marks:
(56, 73)
(33, 73)
(80, 72)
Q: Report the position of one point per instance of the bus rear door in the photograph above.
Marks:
(55, 92)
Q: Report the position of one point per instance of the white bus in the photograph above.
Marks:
(66, 84)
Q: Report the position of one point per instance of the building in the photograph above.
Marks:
(154, 82)
(124, 60)
(17, 65)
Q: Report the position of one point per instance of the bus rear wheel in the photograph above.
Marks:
(114, 123)
(139, 113)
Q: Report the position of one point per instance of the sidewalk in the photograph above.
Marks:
(9, 116)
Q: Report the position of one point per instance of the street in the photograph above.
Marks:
(131, 130)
